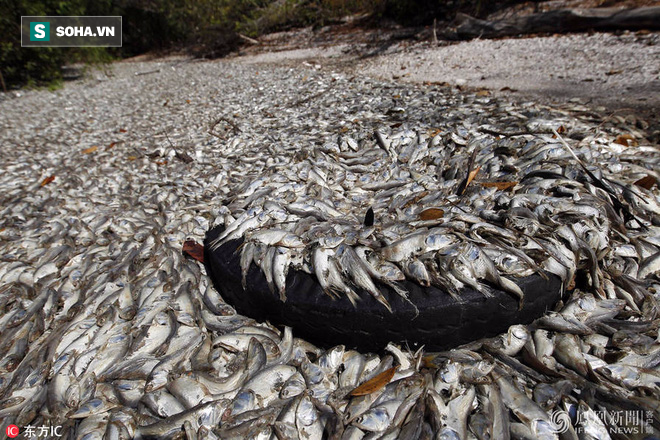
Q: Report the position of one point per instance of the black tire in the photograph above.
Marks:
(442, 322)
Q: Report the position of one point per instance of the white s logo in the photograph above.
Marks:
(39, 31)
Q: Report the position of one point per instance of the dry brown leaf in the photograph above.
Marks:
(161, 162)
(193, 250)
(431, 214)
(626, 140)
(375, 383)
(112, 144)
(499, 185)
(483, 92)
(647, 182)
(47, 180)
(561, 129)
(122, 130)
(428, 361)
(132, 157)
(90, 150)
(472, 175)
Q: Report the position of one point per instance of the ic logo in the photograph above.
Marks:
(12, 431)
(39, 31)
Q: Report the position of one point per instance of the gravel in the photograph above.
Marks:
(614, 71)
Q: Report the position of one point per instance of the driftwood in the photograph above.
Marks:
(564, 20)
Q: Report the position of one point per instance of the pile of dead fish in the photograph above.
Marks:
(536, 206)
(108, 332)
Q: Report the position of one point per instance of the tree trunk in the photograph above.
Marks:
(564, 20)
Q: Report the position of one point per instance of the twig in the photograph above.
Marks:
(502, 133)
(183, 157)
(168, 140)
(219, 120)
(248, 39)
(2, 80)
(308, 98)
(147, 72)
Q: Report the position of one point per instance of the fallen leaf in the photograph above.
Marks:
(375, 383)
(647, 182)
(193, 250)
(614, 72)
(90, 150)
(626, 140)
(499, 185)
(47, 180)
(161, 162)
(483, 92)
(132, 157)
(472, 175)
(187, 101)
(561, 129)
(428, 361)
(121, 130)
(431, 214)
(112, 144)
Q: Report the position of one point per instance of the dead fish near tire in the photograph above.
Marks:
(398, 241)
